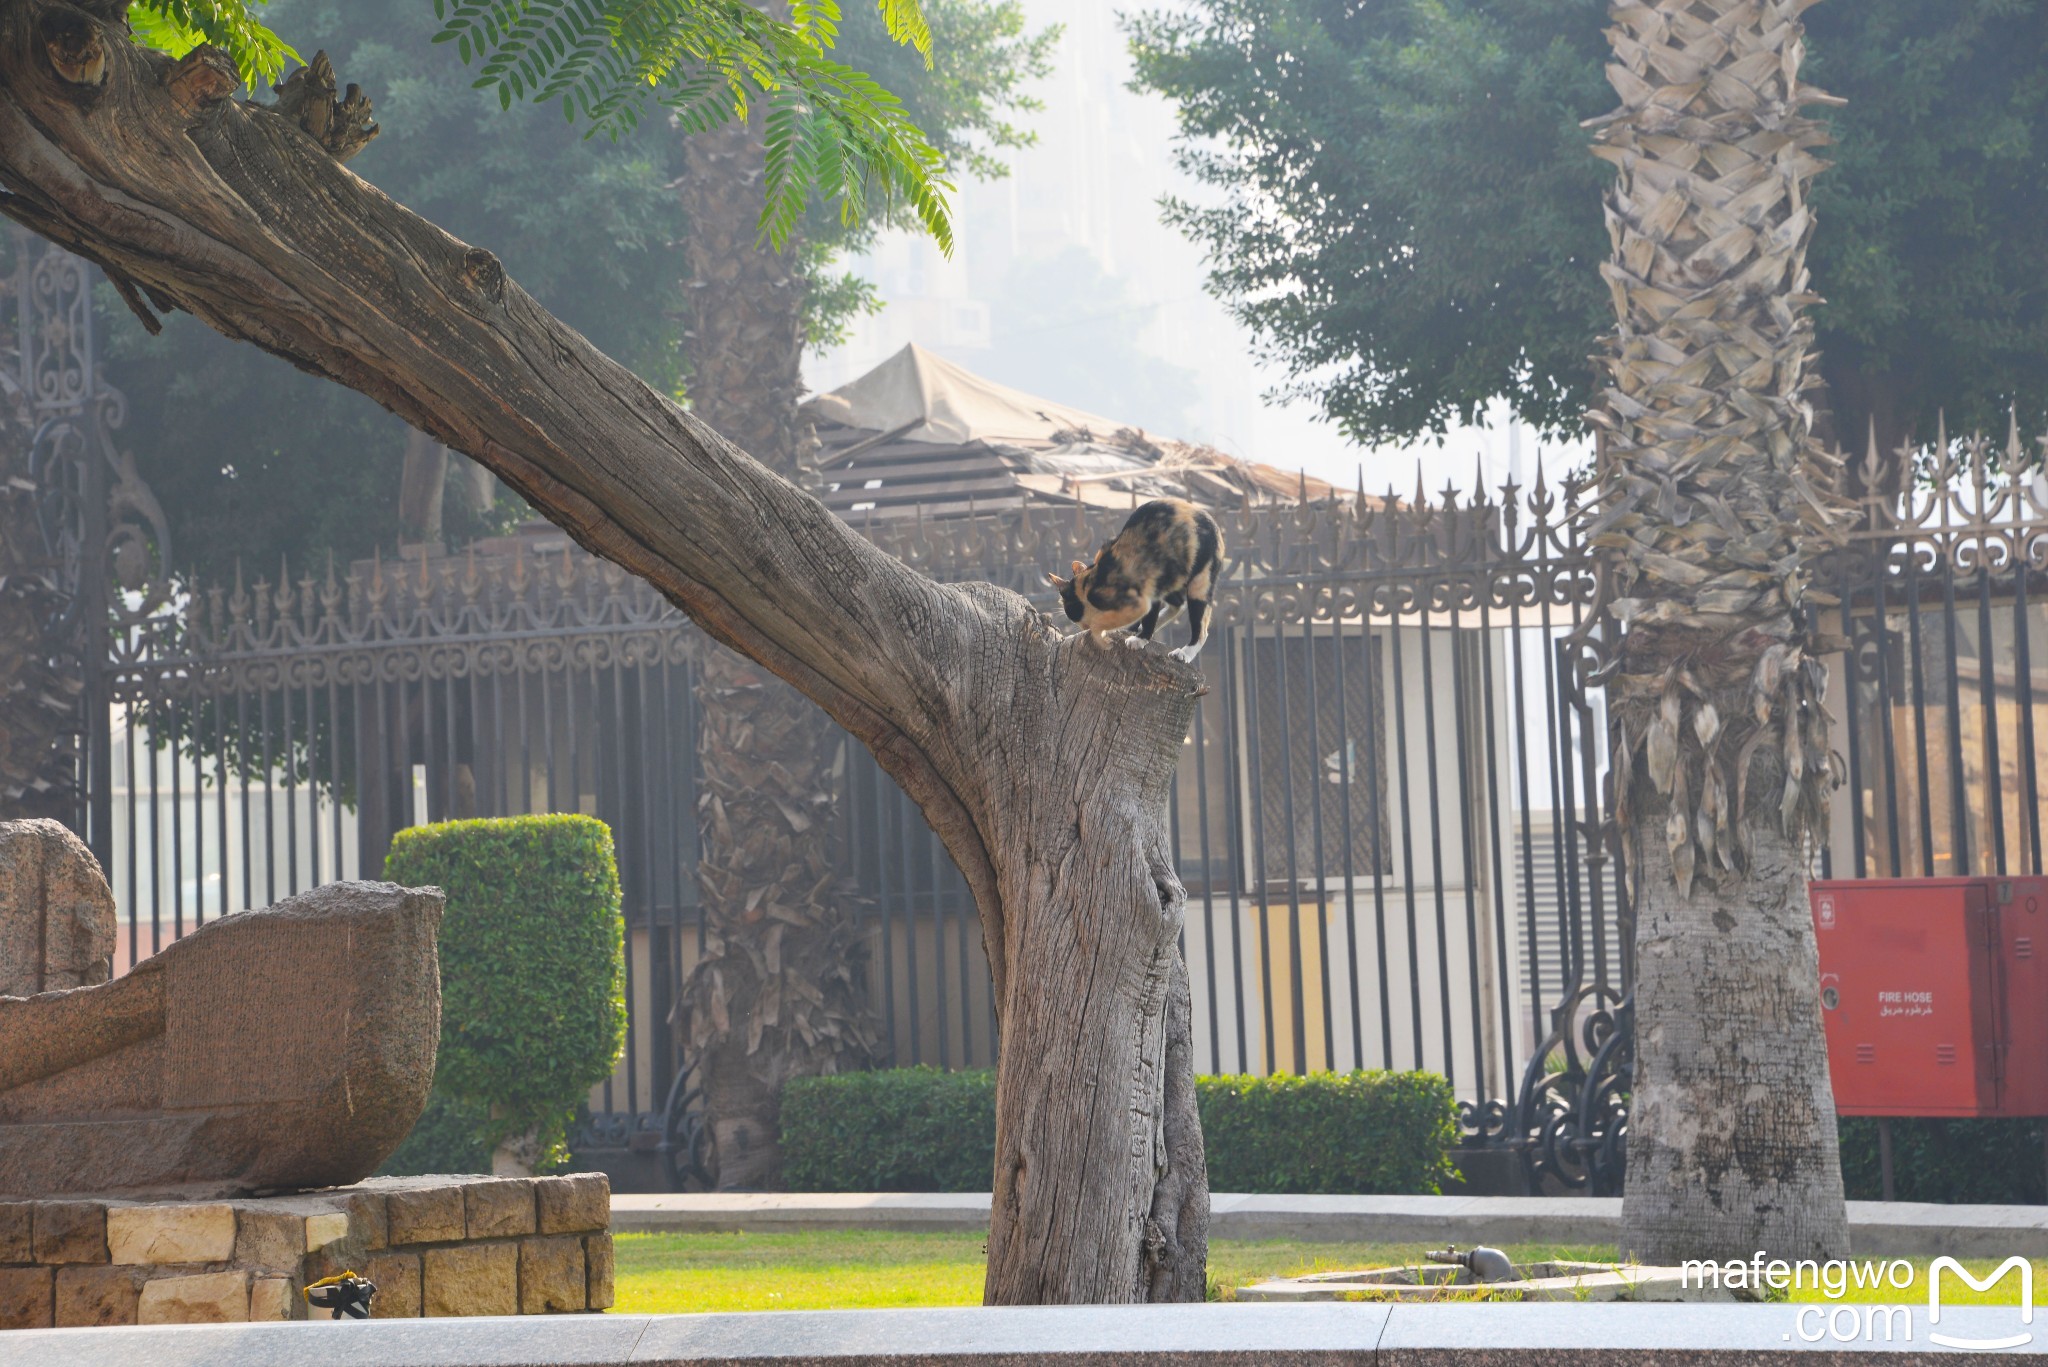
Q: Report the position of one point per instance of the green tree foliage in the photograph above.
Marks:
(252, 459)
(178, 26)
(1409, 218)
(533, 970)
(834, 132)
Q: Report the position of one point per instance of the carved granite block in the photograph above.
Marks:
(25, 1297)
(88, 1297)
(136, 1085)
(397, 1276)
(552, 1278)
(14, 1232)
(272, 1240)
(56, 911)
(499, 1209)
(597, 1257)
(575, 1204)
(274, 1298)
(471, 1279)
(430, 1216)
(202, 1298)
(171, 1234)
(69, 1232)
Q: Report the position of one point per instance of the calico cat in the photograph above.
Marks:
(1169, 554)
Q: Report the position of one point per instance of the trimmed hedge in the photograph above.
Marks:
(1361, 1134)
(918, 1129)
(904, 1129)
(533, 981)
(1948, 1162)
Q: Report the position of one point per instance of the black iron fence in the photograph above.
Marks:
(1387, 860)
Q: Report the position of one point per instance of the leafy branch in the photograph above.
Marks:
(178, 26)
(829, 127)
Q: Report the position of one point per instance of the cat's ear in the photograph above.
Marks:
(1080, 568)
(1056, 581)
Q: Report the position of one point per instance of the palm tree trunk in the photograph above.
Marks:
(1712, 492)
(780, 990)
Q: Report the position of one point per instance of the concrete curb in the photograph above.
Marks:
(1876, 1228)
(1080, 1336)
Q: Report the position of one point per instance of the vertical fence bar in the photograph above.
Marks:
(1494, 841)
(1468, 853)
(1382, 827)
(1349, 835)
(1261, 889)
(2023, 697)
(1234, 813)
(1532, 950)
(312, 784)
(1886, 703)
(132, 729)
(1436, 842)
(1312, 727)
(1987, 699)
(1407, 811)
(1958, 785)
(172, 759)
(291, 791)
(1851, 687)
(1915, 673)
(1208, 886)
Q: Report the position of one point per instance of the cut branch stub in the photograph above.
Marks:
(306, 97)
(201, 79)
(76, 50)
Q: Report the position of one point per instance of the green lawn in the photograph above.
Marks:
(672, 1273)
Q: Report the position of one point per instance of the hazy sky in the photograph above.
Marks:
(1066, 284)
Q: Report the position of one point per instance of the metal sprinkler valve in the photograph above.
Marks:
(1485, 1264)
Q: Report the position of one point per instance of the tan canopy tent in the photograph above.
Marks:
(921, 435)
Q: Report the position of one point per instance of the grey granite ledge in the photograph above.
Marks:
(1140, 1336)
(1876, 1227)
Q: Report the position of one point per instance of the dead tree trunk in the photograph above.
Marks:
(1042, 761)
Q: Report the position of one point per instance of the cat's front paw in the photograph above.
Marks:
(1186, 654)
(1135, 642)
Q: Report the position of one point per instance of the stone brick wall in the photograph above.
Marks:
(433, 1246)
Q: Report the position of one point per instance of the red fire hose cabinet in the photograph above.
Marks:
(1934, 992)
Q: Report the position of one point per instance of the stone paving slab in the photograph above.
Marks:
(1877, 1228)
(1139, 1336)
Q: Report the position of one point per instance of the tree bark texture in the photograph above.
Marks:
(1041, 760)
(1712, 495)
(780, 991)
(1731, 1134)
